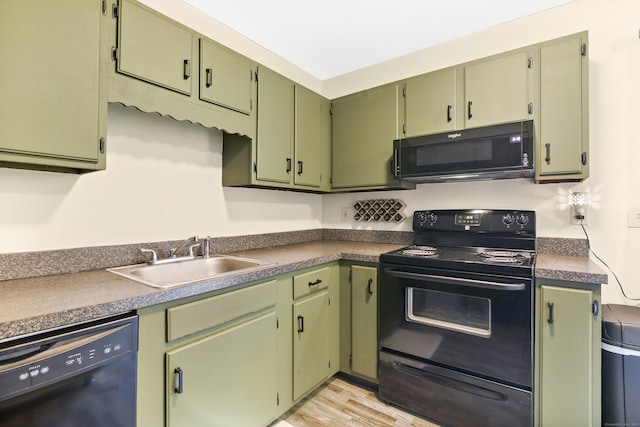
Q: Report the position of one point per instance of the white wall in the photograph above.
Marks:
(163, 182)
(163, 178)
(614, 186)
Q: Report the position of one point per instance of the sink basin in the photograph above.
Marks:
(177, 273)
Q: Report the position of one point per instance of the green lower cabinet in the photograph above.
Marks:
(241, 357)
(568, 362)
(211, 381)
(364, 321)
(310, 343)
(359, 320)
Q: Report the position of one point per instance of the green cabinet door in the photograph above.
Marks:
(364, 127)
(53, 103)
(225, 77)
(569, 364)
(274, 157)
(310, 342)
(495, 90)
(154, 49)
(430, 103)
(312, 138)
(563, 123)
(226, 379)
(364, 321)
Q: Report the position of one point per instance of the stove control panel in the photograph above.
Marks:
(476, 220)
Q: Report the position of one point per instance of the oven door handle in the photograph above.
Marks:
(458, 281)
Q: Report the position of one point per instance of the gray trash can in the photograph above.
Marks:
(620, 365)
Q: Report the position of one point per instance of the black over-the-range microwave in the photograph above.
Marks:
(493, 152)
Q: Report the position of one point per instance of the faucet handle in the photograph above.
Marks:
(154, 256)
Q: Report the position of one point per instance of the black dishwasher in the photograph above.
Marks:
(84, 375)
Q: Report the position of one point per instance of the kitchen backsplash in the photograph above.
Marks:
(62, 261)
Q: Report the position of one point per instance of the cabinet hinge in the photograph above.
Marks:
(404, 128)
(530, 108)
(255, 167)
(329, 301)
(530, 62)
(277, 323)
(102, 145)
(277, 399)
(256, 76)
(329, 364)
(583, 49)
(251, 104)
(331, 110)
(584, 158)
(350, 272)
(404, 92)
(350, 361)
(114, 53)
(114, 11)
(104, 7)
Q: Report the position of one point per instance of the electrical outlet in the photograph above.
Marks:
(579, 208)
(346, 214)
(633, 216)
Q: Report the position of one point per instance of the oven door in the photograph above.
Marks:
(470, 322)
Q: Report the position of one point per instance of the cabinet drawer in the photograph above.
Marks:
(209, 312)
(307, 283)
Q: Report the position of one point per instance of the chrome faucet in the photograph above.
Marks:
(192, 242)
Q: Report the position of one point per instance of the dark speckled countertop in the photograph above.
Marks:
(32, 304)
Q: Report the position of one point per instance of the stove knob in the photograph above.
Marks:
(432, 218)
(422, 218)
(522, 219)
(508, 219)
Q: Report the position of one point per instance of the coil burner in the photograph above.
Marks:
(425, 251)
(504, 257)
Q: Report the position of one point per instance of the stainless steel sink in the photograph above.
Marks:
(177, 273)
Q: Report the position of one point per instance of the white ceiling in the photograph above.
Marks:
(332, 37)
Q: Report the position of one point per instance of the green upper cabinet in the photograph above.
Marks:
(274, 158)
(154, 49)
(161, 66)
(562, 125)
(312, 139)
(226, 78)
(293, 143)
(495, 90)
(430, 103)
(364, 127)
(53, 106)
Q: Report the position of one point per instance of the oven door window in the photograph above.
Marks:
(463, 313)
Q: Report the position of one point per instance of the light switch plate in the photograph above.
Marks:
(633, 216)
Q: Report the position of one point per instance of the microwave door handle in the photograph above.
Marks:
(457, 281)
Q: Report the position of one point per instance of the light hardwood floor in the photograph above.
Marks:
(339, 403)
